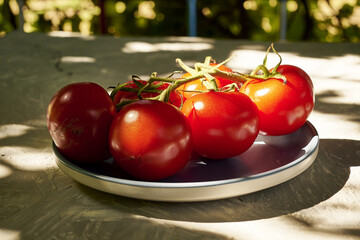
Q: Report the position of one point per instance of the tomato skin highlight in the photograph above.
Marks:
(224, 124)
(78, 119)
(283, 108)
(197, 85)
(150, 140)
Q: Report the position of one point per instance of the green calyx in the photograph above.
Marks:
(265, 73)
(209, 73)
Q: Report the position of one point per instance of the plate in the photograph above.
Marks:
(270, 161)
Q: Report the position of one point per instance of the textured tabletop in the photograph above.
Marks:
(38, 201)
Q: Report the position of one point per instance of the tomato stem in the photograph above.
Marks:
(280, 59)
(205, 68)
(175, 83)
(186, 67)
(117, 88)
(205, 71)
(266, 74)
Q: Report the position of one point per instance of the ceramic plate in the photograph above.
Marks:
(270, 161)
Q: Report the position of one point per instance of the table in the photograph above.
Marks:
(38, 201)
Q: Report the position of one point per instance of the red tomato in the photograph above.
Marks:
(150, 140)
(283, 108)
(198, 85)
(78, 119)
(175, 97)
(224, 124)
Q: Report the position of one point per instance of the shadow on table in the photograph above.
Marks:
(74, 211)
(350, 111)
(325, 177)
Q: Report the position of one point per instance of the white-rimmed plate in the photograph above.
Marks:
(270, 161)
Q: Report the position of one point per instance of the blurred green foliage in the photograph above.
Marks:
(307, 20)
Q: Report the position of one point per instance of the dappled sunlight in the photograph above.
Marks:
(145, 47)
(342, 67)
(336, 107)
(336, 215)
(32, 135)
(25, 148)
(10, 234)
(5, 171)
(348, 96)
(77, 59)
(189, 39)
(64, 34)
(13, 130)
(329, 215)
(246, 60)
(27, 159)
(332, 126)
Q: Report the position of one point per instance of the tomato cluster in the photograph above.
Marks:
(153, 128)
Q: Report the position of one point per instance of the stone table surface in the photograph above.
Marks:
(38, 201)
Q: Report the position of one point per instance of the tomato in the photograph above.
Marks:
(224, 124)
(150, 140)
(79, 117)
(283, 108)
(198, 85)
(175, 97)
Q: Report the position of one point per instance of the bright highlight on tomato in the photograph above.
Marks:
(224, 124)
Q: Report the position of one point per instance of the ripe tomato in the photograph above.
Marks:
(78, 118)
(283, 108)
(198, 85)
(175, 97)
(224, 124)
(150, 140)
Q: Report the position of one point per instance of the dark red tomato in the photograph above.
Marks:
(175, 97)
(150, 140)
(198, 85)
(283, 108)
(224, 124)
(78, 119)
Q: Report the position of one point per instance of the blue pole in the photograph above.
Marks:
(21, 15)
(283, 19)
(192, 19)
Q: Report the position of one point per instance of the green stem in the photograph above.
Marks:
(212, 80)
(277, 65)
(217, 73)
(265, 72)
(125, 102)
(116, 89)
(234, 76)
(267, 53)
(208, 60)
(177, 83)
(202, 71)
(186, 67)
